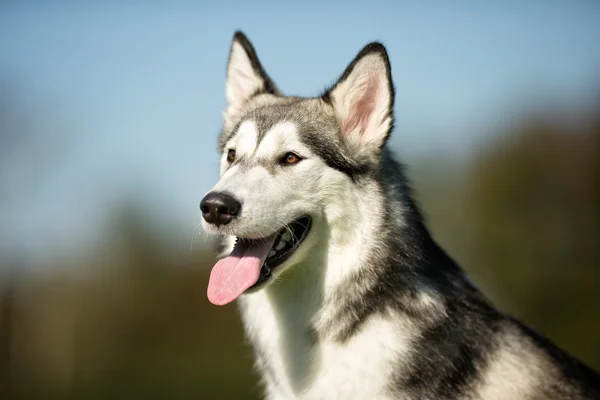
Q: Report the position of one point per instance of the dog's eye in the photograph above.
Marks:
(231, 155)
(290, 159)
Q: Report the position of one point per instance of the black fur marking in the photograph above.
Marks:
(450, 355)
(456, 334)
(333, 154)
(327, 148)
(393, 280)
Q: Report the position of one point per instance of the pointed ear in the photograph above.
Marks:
(245, 75)
(363, 100)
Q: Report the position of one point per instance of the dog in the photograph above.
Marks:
(342, 291)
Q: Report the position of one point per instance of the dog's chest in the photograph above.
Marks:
(296, 365)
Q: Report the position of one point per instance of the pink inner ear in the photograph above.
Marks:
(362, 110)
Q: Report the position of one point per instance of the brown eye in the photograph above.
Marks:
(231, 156)
(290, 159)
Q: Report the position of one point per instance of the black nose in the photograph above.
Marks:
(219, 208)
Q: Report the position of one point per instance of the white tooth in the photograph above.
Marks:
(287, 236)
(271, 253)
(281, 245)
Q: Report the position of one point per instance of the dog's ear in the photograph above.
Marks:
(363, 100)
(245, 75)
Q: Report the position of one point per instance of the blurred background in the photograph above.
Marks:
(109, 115)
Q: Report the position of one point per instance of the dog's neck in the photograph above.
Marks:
(345, 277)
(346, 259)
(299, 308)
(341, 265)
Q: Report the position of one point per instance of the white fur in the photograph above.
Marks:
(289, 191)
(281, 138)
(358, 369)
(242, 80)
(277, 318)
(246, 139)
(516, 371)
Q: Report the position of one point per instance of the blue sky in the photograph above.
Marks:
(135, 90)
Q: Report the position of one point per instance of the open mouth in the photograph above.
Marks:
(287, 241)
(252, 261)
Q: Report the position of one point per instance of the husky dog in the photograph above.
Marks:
(343, 292)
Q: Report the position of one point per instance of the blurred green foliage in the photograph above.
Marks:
(132, 319)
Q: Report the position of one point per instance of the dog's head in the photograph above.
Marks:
(288, 164)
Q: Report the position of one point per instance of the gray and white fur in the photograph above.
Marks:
(368, 306)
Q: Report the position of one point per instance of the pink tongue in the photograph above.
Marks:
(231, 276)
